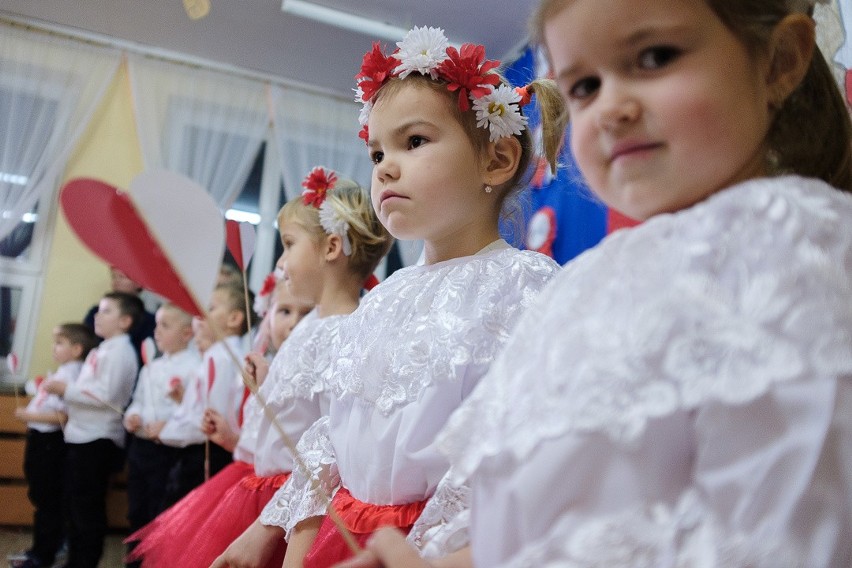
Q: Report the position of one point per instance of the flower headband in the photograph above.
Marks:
(426, 51)
(262, 300)
(317, 184)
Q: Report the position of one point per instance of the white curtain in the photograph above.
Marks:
(204, 124)
(49, 88)
(317, 130)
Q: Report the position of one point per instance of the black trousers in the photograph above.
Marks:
(89, 467)
(148, 467)
(188, 472)
(44, 464)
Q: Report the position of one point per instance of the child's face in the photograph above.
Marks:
(121, 283)
(202, 334)
(667, 107)
(63, 350)
(172, 333)
(220, 314)
(286, 313)
(109, 322)
(427, 181)
(302, 262)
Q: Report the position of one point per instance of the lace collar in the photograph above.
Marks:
(433, 323)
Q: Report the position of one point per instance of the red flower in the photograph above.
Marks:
(268, 285)
(365, 134)
(467, 72)
(376, 69)
(316, 184)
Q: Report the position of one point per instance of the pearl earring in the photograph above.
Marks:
(488, 189)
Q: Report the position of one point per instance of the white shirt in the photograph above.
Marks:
(46, 402)
(151, 400)
(98, 396)
(223, 394)
(681, 395)
(404, 360)
(252, 416)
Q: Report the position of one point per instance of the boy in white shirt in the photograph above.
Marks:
(94, 434)
(44, 454)
(149, 461)
(217, 385)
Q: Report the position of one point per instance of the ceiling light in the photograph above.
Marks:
(196, 9)
(242, 216)
(343, 20)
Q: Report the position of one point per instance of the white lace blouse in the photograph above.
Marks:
(681, 395)
(293, 392)
(406, 358)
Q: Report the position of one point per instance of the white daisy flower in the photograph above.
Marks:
(499, 112)
(422, 50)
(334, 225)
(364, 116)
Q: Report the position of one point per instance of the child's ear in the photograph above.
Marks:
(126, 322)
(790, 51)
(236, 319)
(332, 247)
(501, 161)
(77, 351)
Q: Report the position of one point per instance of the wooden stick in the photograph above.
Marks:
(206, 459)
(102, 401)
(248, 307)
(15, 389)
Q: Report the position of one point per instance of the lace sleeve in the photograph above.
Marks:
(442, 527)
(688, 534)
(307, 493)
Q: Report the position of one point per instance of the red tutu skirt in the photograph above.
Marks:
(362, 520)
(200, 526)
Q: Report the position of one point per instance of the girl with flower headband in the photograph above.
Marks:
(332, 243)
(681, 394)
(450, 146)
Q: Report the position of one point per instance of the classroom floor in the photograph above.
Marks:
(16, 539)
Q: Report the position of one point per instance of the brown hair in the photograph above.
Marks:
(182, 317)
(369, 239)
(810, 134)
(128, 305)
(78, 334)
(236, 296)
(553, 123)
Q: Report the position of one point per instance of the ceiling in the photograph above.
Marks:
(257, 35)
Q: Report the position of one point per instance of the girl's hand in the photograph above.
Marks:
(257, 366)
(252, 549)
(55, 387)
(152, 430)
(387, 549)
(132, 423)
(216, 428)
(212, 421)
(22, 414)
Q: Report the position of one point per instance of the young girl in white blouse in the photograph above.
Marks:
(681, 394)
(450, 147)
(332, 243)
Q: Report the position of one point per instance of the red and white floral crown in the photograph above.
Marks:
(426, 51)
(317, 184)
